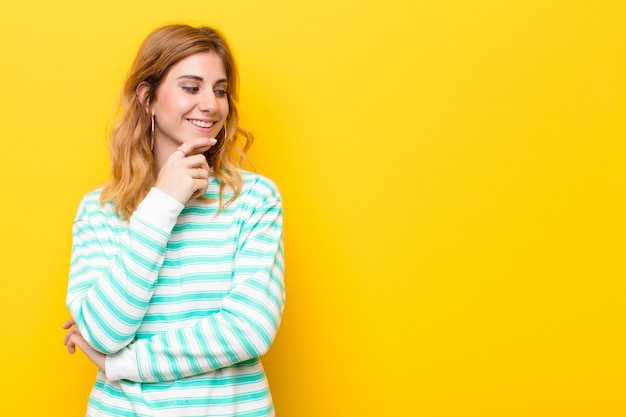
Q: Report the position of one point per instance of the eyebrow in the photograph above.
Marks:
(198, 78)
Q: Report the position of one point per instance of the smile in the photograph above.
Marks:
(200, 123)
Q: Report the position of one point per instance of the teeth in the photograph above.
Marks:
(201, 123)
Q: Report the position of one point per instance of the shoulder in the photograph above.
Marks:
(91, 207)
(259, 188)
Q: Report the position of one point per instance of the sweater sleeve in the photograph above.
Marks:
(245, 326)
(111, 283)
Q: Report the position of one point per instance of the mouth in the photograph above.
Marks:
(201, 123)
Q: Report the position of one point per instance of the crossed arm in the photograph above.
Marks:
(243, 328)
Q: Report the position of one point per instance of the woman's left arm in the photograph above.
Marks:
(245, 326)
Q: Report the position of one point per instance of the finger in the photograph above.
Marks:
(66, 339)
(204, 164)
(198, 173)
(68, 335)
(201, 186)
(71, 346)
(195, 146)
(200, 146)
(69, 323)
(76, 341)
(193, 161)
(190, 163)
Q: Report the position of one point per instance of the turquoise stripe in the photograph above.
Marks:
(120, 312)
(172, 360)
(170, 299)
(118, 394)
(265, 239)
(200, 227)
(103, 227)
(142, 260)
(264, 412)
(197, 260)
(214, 276)
(199, 243)
(91, 259)
(200, 341)
(213, 400)
(106, 331)
(173, 318)
(275, 298)
(154, 367)
(147, 241)
(254, 253)
(105, 409)
(251, 350)
(223, 341)
(193, 363)
(149, 226)
(257, 306)
(213, 381)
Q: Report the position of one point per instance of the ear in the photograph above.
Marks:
(142, 95)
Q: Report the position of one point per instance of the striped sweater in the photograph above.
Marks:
(182, 300)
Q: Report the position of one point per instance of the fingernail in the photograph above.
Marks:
(213, 141)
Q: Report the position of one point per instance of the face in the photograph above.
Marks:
(191, 101)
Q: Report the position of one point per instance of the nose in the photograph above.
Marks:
(208, 101)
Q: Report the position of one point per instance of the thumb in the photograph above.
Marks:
(69, 323)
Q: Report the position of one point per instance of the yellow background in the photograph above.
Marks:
(453, 175)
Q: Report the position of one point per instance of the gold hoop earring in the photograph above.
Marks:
(152, 134)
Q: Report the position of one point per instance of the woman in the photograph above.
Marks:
(176, 279)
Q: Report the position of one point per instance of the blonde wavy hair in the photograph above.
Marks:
(132, 163)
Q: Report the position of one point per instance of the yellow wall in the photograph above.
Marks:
(453, 174)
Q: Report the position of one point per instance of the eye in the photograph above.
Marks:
(191, 90)
(220, 93)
